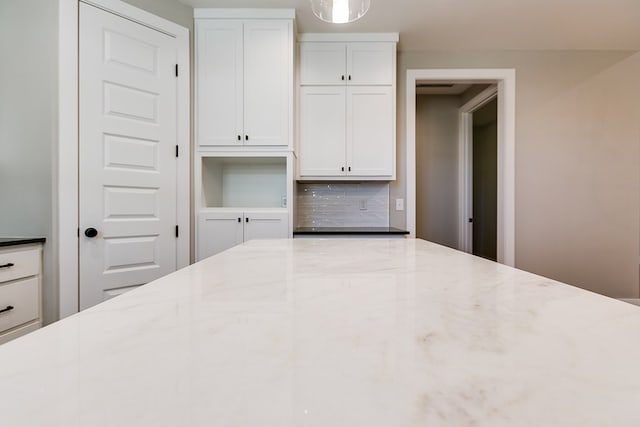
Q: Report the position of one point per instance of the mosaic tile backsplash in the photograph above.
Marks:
(364, 204)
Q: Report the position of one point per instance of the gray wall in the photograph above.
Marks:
(577, 170)
(28, 128)
(437, 168)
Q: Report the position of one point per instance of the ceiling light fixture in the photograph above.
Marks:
(340, 11)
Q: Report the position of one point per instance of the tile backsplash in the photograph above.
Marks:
(363, 204)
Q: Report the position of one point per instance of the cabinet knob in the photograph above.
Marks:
(349, 169)
(91, 232)
(343, 77)
(342, 169)
(239, 219)
(246, 219)
(246, 137)
(239, 138)
(349, 76)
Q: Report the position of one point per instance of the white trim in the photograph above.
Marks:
(506, 147)
(465, 165)
(68, 138)
(211, 13)
(68, 158)
(349, 37)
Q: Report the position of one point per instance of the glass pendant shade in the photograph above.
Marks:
(340, 11)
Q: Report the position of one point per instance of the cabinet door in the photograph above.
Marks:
(219, 77)
(218, 231)
(268, 82)
(322, 130)
(265, 225)
(371, 134)
(370, 63)
(322, 63)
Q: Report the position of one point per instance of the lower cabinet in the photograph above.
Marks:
(221, 229)
(20, 284)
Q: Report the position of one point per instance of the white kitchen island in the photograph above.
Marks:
(332, 333)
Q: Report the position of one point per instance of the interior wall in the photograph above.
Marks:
(28, 129)
(577, 170)
(437, 168)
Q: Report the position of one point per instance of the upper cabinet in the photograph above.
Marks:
(362, 63)
(347, 101)
(244, 79)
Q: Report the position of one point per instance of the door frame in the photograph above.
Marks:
(506, 82)
(465, 165)
(67, 208)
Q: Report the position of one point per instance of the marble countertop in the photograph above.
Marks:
(349, 230)
(332, 332)
(14, 241)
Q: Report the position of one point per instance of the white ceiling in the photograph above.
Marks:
(480, 24)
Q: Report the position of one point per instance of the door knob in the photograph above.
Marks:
(91, 232)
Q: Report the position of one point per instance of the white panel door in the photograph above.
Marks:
(127, 170)
(370, 135)
(323, 63)
(218, 231)
(219, 95)
(370, 63)
(265, 225)
(322, 130)
(268, 82)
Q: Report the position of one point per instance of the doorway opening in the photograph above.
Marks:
(449, 203)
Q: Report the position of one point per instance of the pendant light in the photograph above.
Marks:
(340, 11)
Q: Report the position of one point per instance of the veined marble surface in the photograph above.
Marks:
(319, 333)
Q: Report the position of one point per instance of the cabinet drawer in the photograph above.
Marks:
(23, 297)
(20, 263)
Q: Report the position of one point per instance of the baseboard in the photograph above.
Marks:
(635, 301)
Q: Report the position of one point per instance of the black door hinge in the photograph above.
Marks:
(177, 151)
(176, 70)
(177, 234)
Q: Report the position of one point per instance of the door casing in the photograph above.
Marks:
(506, 81)
(66, 231)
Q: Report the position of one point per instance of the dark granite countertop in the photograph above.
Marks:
(348, 230)
(14, 241)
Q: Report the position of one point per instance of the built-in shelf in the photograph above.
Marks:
(244, 182)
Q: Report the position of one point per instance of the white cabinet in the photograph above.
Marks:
(347, 108)
(353, 136)
(361, 63)
(20, 290)
(222, 229)
(244, 82)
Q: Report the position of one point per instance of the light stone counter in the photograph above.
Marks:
(332, 333)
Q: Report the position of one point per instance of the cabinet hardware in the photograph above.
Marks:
(177, 231)
(342, 168)
(9, 308)
(239, 138)
(246, 219)
(343, 77)
(239, 219)
(176, 70)
(7, 265)
(246, 137)
(177, 151)
(349, 76)
(91, 232)
(349, 168)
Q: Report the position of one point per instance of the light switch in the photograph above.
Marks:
(399, 204)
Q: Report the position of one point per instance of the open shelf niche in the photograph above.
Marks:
(244, 182)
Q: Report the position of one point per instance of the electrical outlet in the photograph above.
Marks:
(399, 204)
